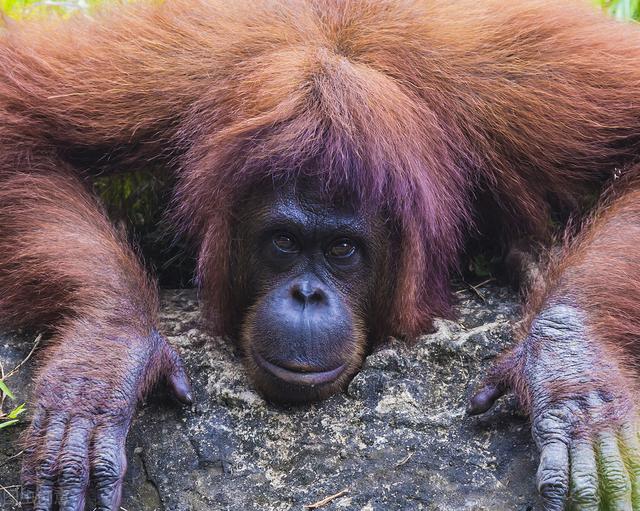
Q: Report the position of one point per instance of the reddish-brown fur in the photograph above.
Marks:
(416, 111)
(596, 270)
(406, 106)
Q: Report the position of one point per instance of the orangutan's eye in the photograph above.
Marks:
(342, 249)
(285, 243)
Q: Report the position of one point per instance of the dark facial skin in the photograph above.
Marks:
(310, 279)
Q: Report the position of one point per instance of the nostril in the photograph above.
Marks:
(307, 293)
(317, 296)
(297, 294)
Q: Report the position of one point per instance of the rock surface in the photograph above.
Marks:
(397, 439)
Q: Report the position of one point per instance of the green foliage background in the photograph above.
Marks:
(622, 9)
(32, 8)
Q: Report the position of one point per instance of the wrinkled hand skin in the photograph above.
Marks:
(583, 416)
(82, 415)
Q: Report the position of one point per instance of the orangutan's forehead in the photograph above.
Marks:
(292, 206)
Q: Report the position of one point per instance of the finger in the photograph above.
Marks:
(176, 375)
(485, 398)
(615, 482)
(47, 462)
(30, 441)
(74, 465)
(584, 477)
(553, 475)
(630, 448)
(108, 466)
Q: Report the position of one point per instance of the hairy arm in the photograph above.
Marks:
(64, 266)
(98, 88)
(575, 370)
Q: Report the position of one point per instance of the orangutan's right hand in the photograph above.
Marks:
(85, 397)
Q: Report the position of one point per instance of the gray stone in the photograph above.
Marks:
(396, 439)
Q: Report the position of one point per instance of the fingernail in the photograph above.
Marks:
(181, 388)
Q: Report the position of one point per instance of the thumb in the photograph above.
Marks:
(176, 375)
(485, 398)
(497, 383)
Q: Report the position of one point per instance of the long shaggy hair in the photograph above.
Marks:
(411, 109)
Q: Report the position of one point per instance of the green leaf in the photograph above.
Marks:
(621, 9)
(5, 390)
(6, 424)
(13, 414)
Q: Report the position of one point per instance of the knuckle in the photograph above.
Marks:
(47, 469)
(585, 481)
(585, 490)
(557, 417)
(73, 472)
(618, 484)
(552, 491)
(553, 425)
(552, 484)
(108, 469)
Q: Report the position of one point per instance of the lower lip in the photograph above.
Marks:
(298, 378)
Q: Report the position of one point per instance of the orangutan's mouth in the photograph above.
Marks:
(298, 377)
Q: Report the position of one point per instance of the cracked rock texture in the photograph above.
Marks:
(396, 439)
